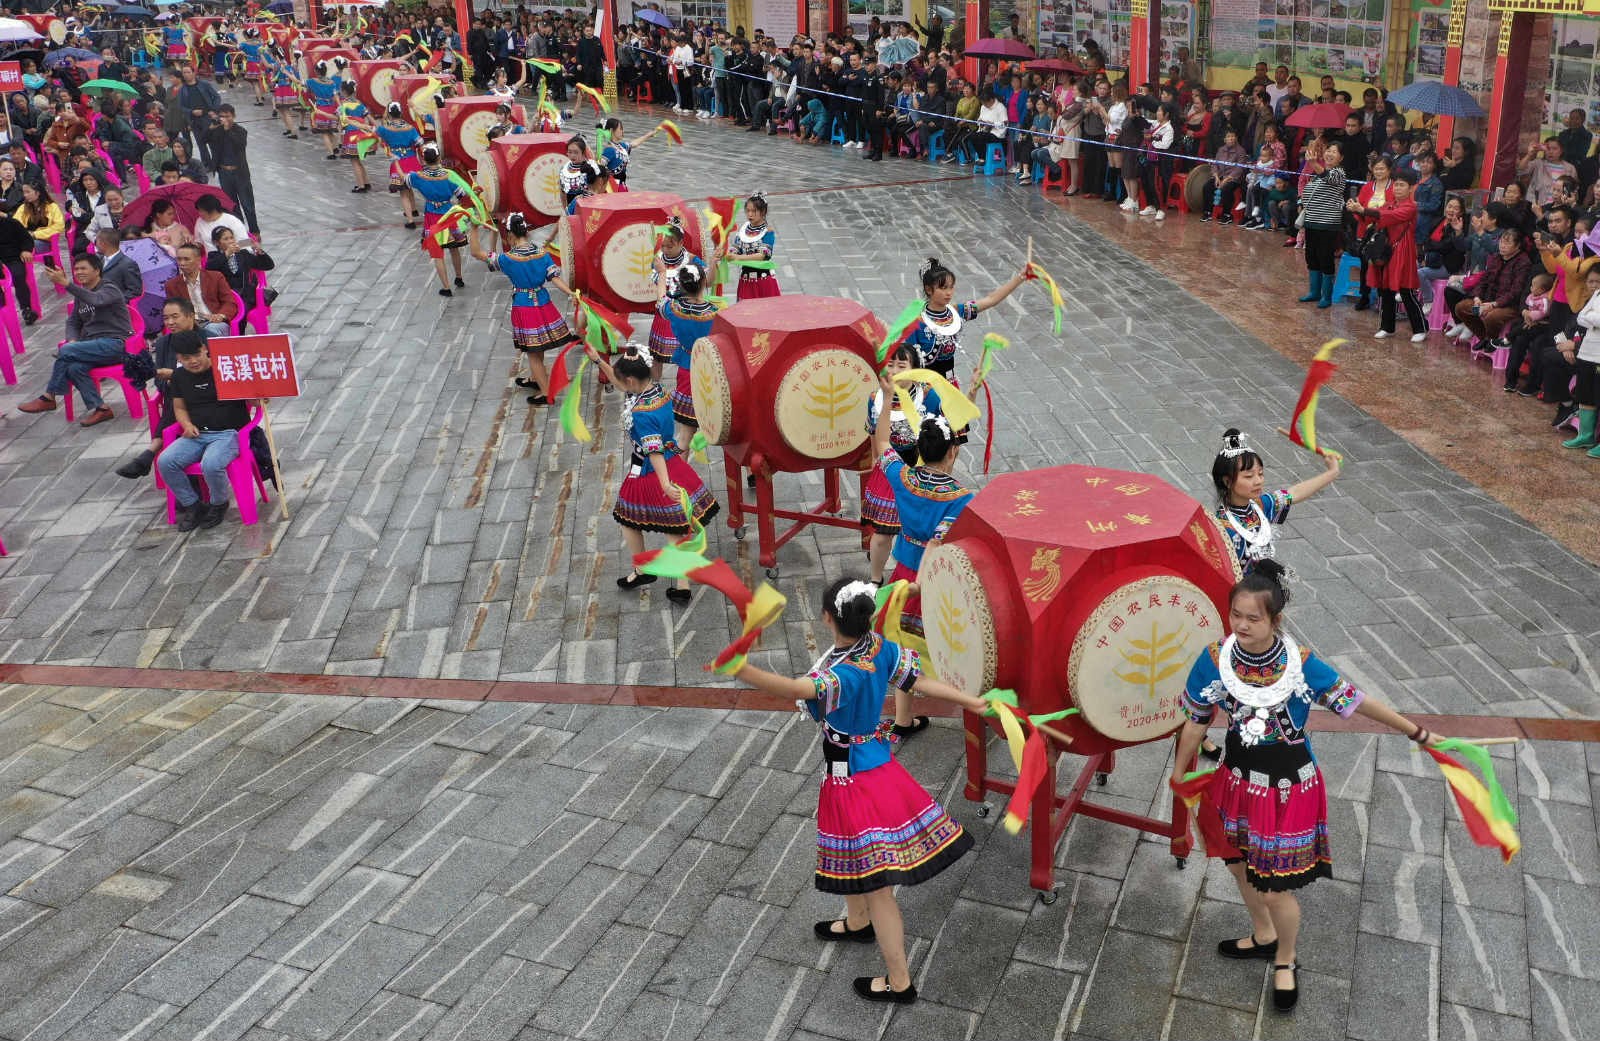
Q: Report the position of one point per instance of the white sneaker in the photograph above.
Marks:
(1381, 335)
(1454, 330)
(1418, 337)
(1161, 215)
(1149, 211)
(1128, 205)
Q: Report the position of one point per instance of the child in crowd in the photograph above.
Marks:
(1257, 183)
(1523, 330)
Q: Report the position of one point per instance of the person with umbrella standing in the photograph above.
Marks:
(201, 101)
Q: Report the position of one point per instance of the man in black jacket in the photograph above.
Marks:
(227, 141)
(478, 50)
(874, 105)
(591, 59)
(200, 101)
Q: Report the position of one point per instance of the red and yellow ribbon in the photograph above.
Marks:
(668, 127)
(1057, 304)
(1303, 424)
(599, 99)
(1490, 818)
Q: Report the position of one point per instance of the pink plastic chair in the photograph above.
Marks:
(259, 317)
(52, 248)
(10, 323)
(130, 393)
(144, 178)
(52, 173)
(238, 316)
(243, 476)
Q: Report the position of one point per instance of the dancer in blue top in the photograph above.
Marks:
(938, 334)
(250, 47)
(536, 323)
(754, 241)
(324, 91)
(439, 191)
(353, 126)
(616, 151)
(877, 828)
(649, 498)
(878, 509)
(285, 87)
(401, 139)
(582, 176)
(690, 315)
(669, 262)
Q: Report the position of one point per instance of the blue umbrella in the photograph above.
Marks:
(281, 7)
(132, 11)
(66, 54)
(653, 17)
(1437, 99)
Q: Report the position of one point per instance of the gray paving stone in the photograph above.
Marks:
(229, 1007)
(592, 998)
(58, 1000)
(1403, 971)
(188, 968)
(344, 983)
(447, 885)
(1113, 1010)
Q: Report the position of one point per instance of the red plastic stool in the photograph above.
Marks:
(1175, 194)
(1058, 174)
(646, 94)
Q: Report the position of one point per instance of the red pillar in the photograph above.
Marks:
(977, 25)
(463, 21)
(838, 16)
(608, 31)
(1501, 141)
(1452, 69)
(1144, 45)
(802, 18)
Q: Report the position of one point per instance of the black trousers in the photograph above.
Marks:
(1094, 167)
(872, 128)
(1555, 374)
(1584, 393)
(1322, 247)
(19, 282)
(1408, 297)
(1524, 344)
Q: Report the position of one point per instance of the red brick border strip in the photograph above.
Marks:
(1581, 730)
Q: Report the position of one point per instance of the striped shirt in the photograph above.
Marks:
(1323, 198)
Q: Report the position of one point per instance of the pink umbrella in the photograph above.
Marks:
(182, 196)
(991, 47)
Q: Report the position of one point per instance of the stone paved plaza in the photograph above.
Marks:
(254, 864)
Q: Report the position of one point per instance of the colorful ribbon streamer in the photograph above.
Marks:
(1194, 788)
(1490, 818)
(993, 344)
(572, 405)
(552, 68)
(1057, 304)
(1029, 748)
(599, 99)
(1303, 424)
(668, 127)
(955, 405)
(903, 322)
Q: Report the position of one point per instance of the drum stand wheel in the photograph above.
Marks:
(1047, 896)
(984, 809)
(740, 532)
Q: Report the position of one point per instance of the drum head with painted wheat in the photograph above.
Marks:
(627, 260)
(956, 615)
(1131, 657)
(382, 80)
(488, 180)
(713, 395)
(541, 184)
(821, 403)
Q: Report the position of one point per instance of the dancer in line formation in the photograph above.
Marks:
(754, 241)
(536, 324)
(669, 262)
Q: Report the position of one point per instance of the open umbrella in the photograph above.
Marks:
(107, 87)
(13, 30)
(1435, 98)
(132, 11)
(1326, 115)
(992, 47)
(155, 267)
(1056, 65)
(281, 6)
(653, 17)
(61, 57)
(182, 195)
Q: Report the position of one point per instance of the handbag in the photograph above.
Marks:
(140, 368)
(1375, 247)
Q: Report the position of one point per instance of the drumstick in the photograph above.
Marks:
(1030, 252)
(1479, 741)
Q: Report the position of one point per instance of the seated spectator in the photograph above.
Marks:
(1494, 297)
(163, 226)
(16, 252)
(97, 334)
(1460, 165)
(158, 154)
(1444, 251)
(211, 217)
(1229, 172)
(44, 221)
(208, 291)
(117, 269)
(189, 168)
(237, 259)
(210, 434)
(107, 215)
(1520, 335)
(177, 316)
(28, 171)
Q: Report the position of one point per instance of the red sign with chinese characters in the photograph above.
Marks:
(254, 367)
(10, 77)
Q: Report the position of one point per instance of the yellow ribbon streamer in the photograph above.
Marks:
(955, 405)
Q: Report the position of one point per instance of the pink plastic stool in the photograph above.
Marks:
(1439, 313)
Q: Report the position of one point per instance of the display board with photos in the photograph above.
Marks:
(1070, 22)
(1343, 38)
(1574, 70)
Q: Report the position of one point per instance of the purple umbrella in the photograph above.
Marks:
(155, 267)
(654, 17)
(66, 54)
(992, 47)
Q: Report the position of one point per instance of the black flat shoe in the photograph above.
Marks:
(1284, 999)
(1259, 951)
(538, 399)
(460, 284)
(635, 582)
(865, 987)
(826, 931)
(916, 726)
(526, 384)
(1214, 753)
(445, 292)
(679, 596)
(411, 225)
(1363, 305)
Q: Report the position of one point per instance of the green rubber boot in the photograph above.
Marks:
(1313, 287)
(1586, 435)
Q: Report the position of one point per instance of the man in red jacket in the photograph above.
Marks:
(214, 303)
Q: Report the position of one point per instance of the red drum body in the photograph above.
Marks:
(608, 246)
(787, 379)
(463, 128)
(522, 174)
(373, 81)
(1079, 587)
(415, 91)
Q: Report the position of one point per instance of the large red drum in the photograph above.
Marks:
(463, 128)
(50, 26)
(522, 174)
(415, 91)
(373, 78)
(1081, 587)
(608, 246)
(787, 379)
(327, 53)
